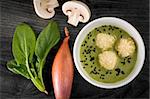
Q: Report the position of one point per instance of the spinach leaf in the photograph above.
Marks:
(18, 69)
(23, 45)
(47, 39)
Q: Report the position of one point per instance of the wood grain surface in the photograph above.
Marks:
(12, 12)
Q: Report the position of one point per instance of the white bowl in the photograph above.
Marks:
(118, 23)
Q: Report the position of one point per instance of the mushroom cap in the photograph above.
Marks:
(83, 8)
(45, 8)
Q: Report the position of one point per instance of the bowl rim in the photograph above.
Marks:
(123, 82)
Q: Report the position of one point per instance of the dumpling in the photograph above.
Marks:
(108, 59)
(125, 47)
(105, 41)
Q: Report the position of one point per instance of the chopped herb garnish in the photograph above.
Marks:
(94, 68)
(92, 58)
(95, 28)
(122, 72)
(107, 72)
(128, 61)
(81, 61)
(123, 63)
(93, 50)
(121, 36)
(93, 40)
(116, 27)
(118, 71)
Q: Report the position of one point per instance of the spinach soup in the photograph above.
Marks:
(108, 54)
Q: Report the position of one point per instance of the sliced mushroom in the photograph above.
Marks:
(45, 8)
(76, 11)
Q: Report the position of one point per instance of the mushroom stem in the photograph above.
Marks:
(73, 20)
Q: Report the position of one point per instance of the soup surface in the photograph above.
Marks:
(89, 56)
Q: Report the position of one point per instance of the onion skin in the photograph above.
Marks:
(62, 70)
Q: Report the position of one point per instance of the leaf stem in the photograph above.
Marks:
(36, 82)
(40, 72)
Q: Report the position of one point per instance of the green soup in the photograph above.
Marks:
(89, 56)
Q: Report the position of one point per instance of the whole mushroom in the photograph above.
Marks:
(76, 11)
(45, 8)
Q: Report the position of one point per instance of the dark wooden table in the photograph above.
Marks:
(13, 12)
